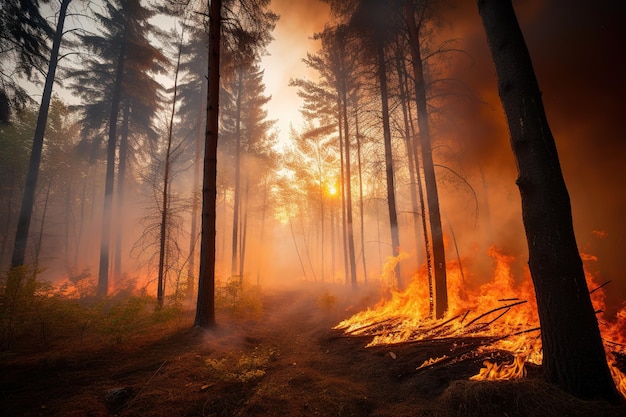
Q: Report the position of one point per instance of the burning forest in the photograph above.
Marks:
(322, 207)
(496, 320)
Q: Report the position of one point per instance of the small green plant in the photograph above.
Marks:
(245, 369)
(239, 299)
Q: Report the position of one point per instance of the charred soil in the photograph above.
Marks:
(286, 362)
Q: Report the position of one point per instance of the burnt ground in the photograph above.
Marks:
(287, 362)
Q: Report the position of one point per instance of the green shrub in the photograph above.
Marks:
(239, 299)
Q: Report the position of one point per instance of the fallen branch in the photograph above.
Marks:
(365, 330)
(487, 324)
(494, 310)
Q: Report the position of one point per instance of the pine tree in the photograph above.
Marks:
(24, 51)
(117, 76)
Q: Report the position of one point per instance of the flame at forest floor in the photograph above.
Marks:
(500, 315)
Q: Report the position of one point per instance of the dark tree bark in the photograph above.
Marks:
(404, 104)
(237, 189)
(357, 136)
(573, 355)
(348, 178)
(195, 204)
(121, 180)
(244, 228)
(191, 274)
(344, 233)
(432, 195)
(205, 307)
(105, 239)
(23, 225)
(391, 191)
(165, 197)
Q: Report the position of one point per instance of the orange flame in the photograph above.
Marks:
(501, 309)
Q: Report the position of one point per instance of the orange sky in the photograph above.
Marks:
(299, 20)
(576, 49)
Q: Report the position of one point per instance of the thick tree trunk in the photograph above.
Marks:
(23, 224)
(391, 192)
(573, 355)
(205, 307)
(432, 195)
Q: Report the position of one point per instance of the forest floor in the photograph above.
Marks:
(288, 361)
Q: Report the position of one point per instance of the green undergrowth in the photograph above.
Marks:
(239, 299)
(36, 315)
(245, 368)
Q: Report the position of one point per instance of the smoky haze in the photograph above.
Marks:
(574, 47)
(576, 50)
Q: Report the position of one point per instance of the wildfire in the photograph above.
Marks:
(500, 315)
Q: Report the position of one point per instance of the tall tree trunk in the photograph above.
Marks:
(344, 232)
(81, 224)
(23, 224)
(244, 229)
(195, 203)
(408, 142)
(103, 271)
(237, 190)
(320, 176)
(165, 198)
(41, 227)
(69, 220)
(205, 307)
(349, 223)
(432, 195)
(360, 168)
(422, 212)
(332, 242)
(391, 192)
(263, 244)
(573, 355)
(121, 185)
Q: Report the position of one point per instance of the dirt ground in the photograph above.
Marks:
(287, 362)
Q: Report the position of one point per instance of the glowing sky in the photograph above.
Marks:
(576, 49)
(299, 20)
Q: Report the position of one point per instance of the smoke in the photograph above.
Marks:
(575, 51)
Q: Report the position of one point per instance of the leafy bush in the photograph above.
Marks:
(239, 299)
(35, 314)
(244, 369)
